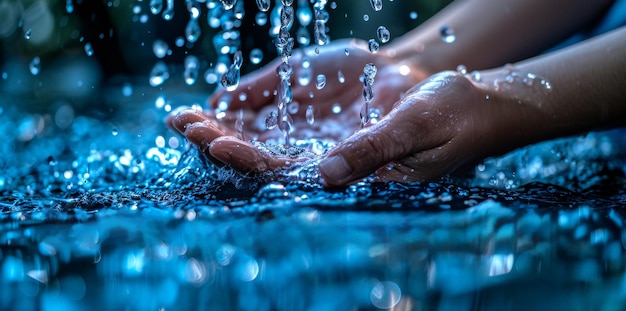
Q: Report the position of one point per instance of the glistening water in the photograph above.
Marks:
(106, 209)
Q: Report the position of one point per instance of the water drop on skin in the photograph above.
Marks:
(383, 34)
(377, 5)
(88, 49)
(373, 46)
(336, 108)
(447, 34)
(461, 69)
(35, 66)
(310, 118)
(320, 81)
(341, 77)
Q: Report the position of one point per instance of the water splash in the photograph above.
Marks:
(321, 17)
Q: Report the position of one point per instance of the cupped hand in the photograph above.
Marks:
(441, 124)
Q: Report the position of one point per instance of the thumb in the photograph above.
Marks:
(364, 152)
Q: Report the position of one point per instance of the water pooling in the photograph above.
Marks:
(117, 212)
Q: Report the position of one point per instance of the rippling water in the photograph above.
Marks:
(113, 211)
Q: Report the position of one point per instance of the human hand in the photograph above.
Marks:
(342, 71)
(438, 126)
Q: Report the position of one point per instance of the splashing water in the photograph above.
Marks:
(321, 17)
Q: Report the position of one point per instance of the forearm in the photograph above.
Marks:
(586, 92)
(491, 33)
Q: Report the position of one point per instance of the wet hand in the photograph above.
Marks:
(438, 126)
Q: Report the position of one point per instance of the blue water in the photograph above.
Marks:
(112, 211)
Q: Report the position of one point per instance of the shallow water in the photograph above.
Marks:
(115, 212)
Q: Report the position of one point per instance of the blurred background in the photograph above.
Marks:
(56, 53)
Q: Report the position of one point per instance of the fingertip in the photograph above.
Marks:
(181, 120)
(335, 170)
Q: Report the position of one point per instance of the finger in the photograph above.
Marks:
(189, 116)
(258, 88)
(422, 166)
(245, 157)
(202, 134)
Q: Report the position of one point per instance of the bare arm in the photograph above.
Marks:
(490, 33)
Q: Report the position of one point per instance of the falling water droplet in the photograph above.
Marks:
(35, 66)
(310, 118)
(447, 35)
(192, 65)
(228, 4)
(413, 15)
(238, 59)
(373, 46)
(69, 6)
(256, 56)
(284, 71)
(27, 34)
(156, 6)
(230, 79)
(159, 48)
(114, 132)
(168, 14)
(320, 81)
(264, 5)
(159, 74)
(271, 120)
(366, 17)
(127, 89)
(303, 36)
(192, 30)
(304, 14)
(88, 49)
(377, 5)
(286, 17)
(260, 18)
(383, 34)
